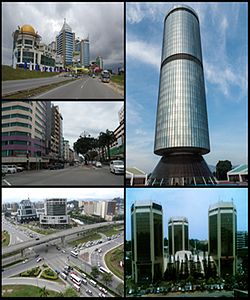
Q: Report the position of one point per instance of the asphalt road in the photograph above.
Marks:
(57, 260)
(82, 88)
(73, 176)
(9, 86)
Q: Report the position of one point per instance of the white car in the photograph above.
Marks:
(116, 167)
(11, 169)
(39, 259)
(98, 164)
(4, 169)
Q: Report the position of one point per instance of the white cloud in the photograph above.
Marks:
(144, 52)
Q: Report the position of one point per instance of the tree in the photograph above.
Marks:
(107, 139)
(43, 292)
(107, 278)
(222, 167)
(94, 271)
(84, 144)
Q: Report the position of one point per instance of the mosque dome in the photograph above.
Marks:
(28, 29)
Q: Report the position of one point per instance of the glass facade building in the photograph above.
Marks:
(181, 132)
(177, 235)
(147, 241)
(222, 241)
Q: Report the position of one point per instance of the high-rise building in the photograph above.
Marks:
(24, 132)
(99, 62)
(55, 212)
(181, 134)
(177, 235)
(66, 150)
(56, 132)
(26, 211)
(147, 241)
(117, 147)
(242, 239)
(65, 43)
(222, 224)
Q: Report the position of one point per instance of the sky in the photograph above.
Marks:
(192, 203)
(224, 47)
(103, 22)
(92, 117)
(38, 194)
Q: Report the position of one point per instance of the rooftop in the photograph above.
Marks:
(241, 169)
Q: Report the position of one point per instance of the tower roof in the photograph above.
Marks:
(66, 26)
(28, 29)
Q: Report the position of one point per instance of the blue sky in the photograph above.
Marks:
(224, 48)
(192, 203)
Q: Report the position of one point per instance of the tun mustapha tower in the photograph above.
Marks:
(181, 134)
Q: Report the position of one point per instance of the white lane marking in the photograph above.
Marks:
(50, 91)
(84, 83)
(18, 239)
(6, 182)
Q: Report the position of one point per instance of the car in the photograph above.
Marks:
(11, 169)
(37, 238)
(24, 261)
(39, 259)
(116, 167)
(98, 164)
(98, 264)
(4, 170)
(19, 169)
(89, 292)
(58, 248)
(57, 272)
(100, 250)
(63, 251)
(93, 76)
(37, 256)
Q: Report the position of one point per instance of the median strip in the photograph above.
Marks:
(26, 94)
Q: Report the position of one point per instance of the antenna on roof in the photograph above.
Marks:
(64, 20)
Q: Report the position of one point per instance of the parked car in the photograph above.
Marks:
(4, 170)
(39, 259)
(116, 167)
(19, 169)
(98, 164)
(11, 169)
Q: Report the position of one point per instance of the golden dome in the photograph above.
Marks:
(28, 29)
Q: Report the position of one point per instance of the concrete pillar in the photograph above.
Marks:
(63, 240)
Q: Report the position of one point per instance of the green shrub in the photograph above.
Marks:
(49, 274)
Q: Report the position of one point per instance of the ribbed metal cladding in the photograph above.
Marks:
(181, 123)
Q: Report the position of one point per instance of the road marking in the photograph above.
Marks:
(84, 83)
(7, 182)
(43, 94)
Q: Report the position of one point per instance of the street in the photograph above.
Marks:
(9, 86)
(82, 88)
(73, 176)
(57, 259)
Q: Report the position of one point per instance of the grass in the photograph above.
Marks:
(119, 79)
(13, 263)
(10, 254)
(5, 238)
(41, 231)
(90, 237)
(112, 260)
(36, 91)
(8, 73)
(34, 272)
(110, 231)
(25, 291)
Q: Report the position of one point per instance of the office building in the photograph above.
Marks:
(55, 212)
(99, 62)
(24, 133)
(66, 150)
(29, 52)
(177, 235)
(65, 44)
(242, 239)
(147, 241)
(238, 174)
(181, 134)
(56, 132)
(222, 224)
(26, 212)
(117, 148)
(82, 47)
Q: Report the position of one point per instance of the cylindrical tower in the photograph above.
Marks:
(222, 228)
(181, 134)
(177, 234)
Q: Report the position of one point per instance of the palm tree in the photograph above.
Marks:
(108, 138)
(107, 278)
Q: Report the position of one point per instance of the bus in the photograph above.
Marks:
(105, 76)
(76, 287)
(103, 270)
(74, 253)
(92, 282)
(77, 280)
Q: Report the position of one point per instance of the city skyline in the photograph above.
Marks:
(18, 194)
(96, 24)
(79, 116)
(226, 93)
(182, 203)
